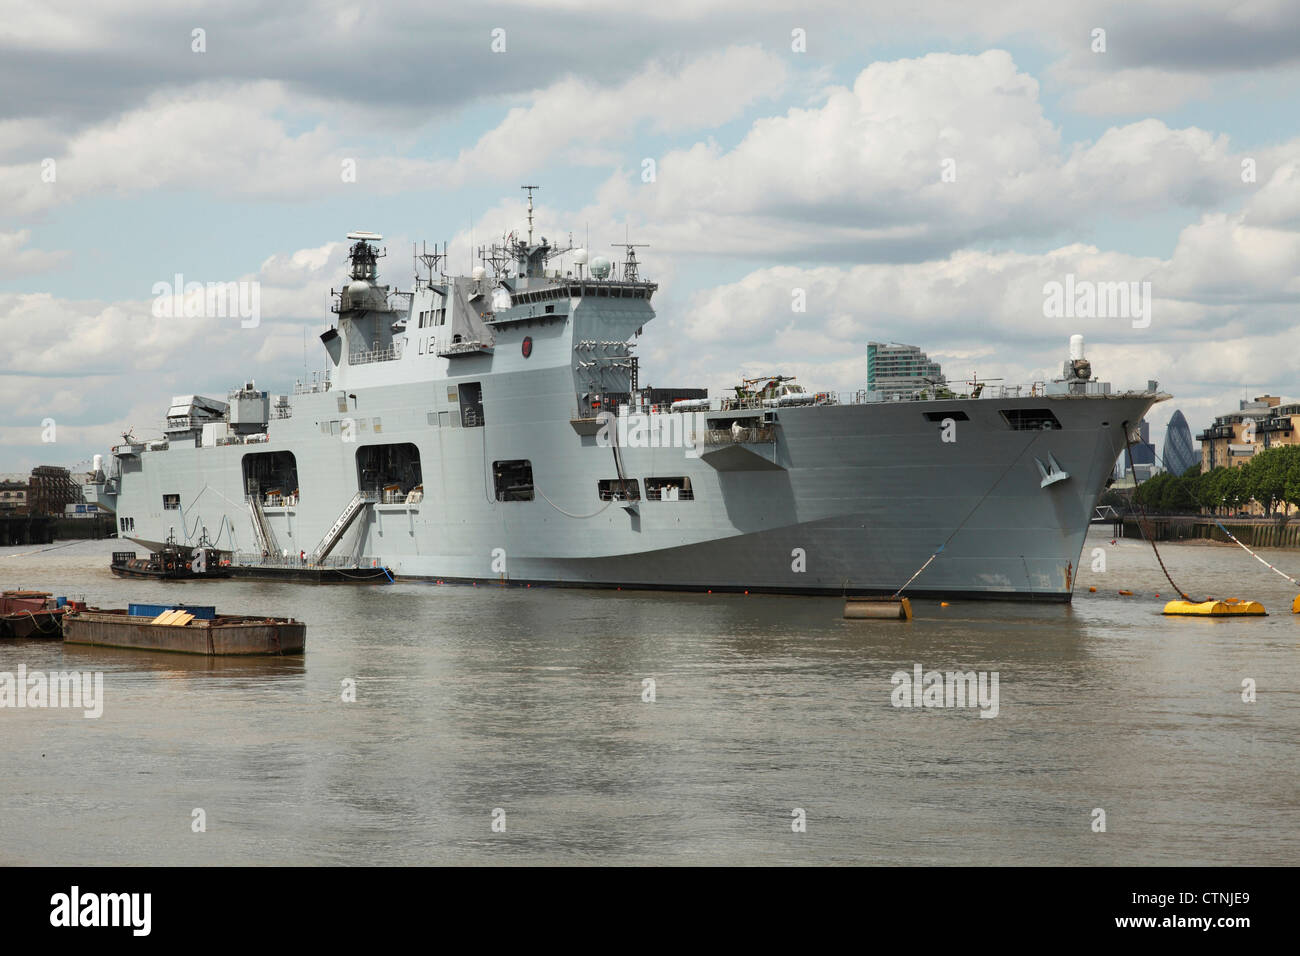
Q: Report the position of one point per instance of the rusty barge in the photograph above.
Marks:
(185, 630)
(30, 614)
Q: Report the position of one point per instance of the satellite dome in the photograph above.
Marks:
(479, 273)
(580, 256)
(358, 289)
(600, 267)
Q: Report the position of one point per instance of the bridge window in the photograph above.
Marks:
(171, 502)
(669, 489)
(1028, 419)
(619, 489)
(514, 480)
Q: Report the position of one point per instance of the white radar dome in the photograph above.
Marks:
(1076, 346)
(600, 267)
(358, 288)
(580, 256)
(479, 273)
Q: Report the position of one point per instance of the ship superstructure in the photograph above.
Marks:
(494, 427)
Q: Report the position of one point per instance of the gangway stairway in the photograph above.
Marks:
(261, 528)
(359, 502)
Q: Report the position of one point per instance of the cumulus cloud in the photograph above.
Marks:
(80, 360)
(1161, 55)
(917, 158)
(225, 138)
(1222, 302)
(579, 117)
(18, 260)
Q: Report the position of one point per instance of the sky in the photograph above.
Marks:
(919, 173)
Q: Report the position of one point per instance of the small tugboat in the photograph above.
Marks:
(172, 564)
(29, 614)
(185, 630)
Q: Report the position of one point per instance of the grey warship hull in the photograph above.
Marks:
(511, 443)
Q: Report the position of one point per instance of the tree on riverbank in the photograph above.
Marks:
(1271, 478)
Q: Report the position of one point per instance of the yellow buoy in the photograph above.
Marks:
(1295, 605)
(1232, 607)
(886, 609)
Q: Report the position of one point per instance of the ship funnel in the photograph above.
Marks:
(1076, 347)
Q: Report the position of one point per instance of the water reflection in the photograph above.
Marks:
(531, 701)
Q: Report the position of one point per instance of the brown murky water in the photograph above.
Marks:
(473, 699)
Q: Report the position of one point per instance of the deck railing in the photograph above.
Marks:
(737, 436)
(252, 559)
(388, 353)
(859, 397)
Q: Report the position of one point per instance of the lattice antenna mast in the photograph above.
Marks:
(529, 190)
(630, 264)
(430, 260)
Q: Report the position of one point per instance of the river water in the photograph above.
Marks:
(524, 707)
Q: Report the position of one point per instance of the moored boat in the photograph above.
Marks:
(503, 413)
(184, 630)
(172, 564)
(29, 614)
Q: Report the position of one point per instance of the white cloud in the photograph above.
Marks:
(1277, 202)
(16, 260)
(229, 138)
(1142, 90)
(861, 175)
(577, 117)
(1223, 302)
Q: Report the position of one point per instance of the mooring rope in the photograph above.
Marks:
(1142, 522)
(23, 554)
(39, 628)
(366, 574)
(1255, 556)
(917, 574)
(992, 488)
(568, 514)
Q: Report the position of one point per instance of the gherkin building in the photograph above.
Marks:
(1180, 454)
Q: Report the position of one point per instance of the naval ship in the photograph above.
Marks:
(494, 427)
